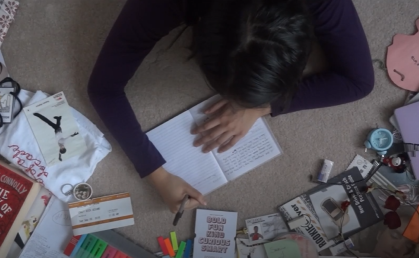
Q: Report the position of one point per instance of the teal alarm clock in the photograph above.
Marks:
(380, 140)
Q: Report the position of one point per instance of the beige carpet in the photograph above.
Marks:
(52, 46)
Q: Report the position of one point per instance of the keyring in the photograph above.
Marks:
(68, 192)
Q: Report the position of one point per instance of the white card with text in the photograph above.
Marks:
(103, 213)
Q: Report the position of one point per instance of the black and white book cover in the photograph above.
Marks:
(55, 129)
(327, 199)
(322, 208)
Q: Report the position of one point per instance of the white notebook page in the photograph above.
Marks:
(174, 141)
(255, 148)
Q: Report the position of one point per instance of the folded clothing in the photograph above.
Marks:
(19, 146)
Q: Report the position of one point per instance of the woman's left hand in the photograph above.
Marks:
(227, 125)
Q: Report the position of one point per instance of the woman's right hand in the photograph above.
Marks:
(173, 189)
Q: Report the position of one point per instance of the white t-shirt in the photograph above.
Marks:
(16, 144)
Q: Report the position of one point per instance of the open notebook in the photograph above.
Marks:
(209, 171)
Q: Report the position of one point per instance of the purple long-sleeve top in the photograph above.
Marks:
(142, 23)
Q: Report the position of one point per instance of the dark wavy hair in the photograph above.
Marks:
(254, 51)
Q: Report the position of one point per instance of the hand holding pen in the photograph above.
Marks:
(173, 190)
(181, 210)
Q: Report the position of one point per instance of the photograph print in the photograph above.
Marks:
(55, 129)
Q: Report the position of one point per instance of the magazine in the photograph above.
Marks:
(55, 129)
(362, 164)
(266, 227)
(378, 240)
(311, 228)
(323, 206)
(326, 200)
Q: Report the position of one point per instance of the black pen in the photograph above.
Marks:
(181, 210)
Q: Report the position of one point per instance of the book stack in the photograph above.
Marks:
(104, 244)
(17, 194)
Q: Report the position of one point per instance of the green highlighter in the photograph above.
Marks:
(179, 253)
(82, 249)
(174, 241)
(98, 249)
(87, 249)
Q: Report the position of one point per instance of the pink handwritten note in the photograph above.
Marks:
(403, 60)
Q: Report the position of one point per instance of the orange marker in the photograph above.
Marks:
(169, 247)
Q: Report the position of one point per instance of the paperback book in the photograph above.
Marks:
(215, 232)
(17, 193)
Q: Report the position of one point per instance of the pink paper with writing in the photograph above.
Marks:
(403, 61)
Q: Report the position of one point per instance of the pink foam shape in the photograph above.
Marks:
(403, 59)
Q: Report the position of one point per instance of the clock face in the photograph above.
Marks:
(381, 139)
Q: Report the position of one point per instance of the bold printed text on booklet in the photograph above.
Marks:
(214, 234)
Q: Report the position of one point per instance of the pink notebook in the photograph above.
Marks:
(408, 120)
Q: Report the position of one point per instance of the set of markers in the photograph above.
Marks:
(90, 246)
(171, 248)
